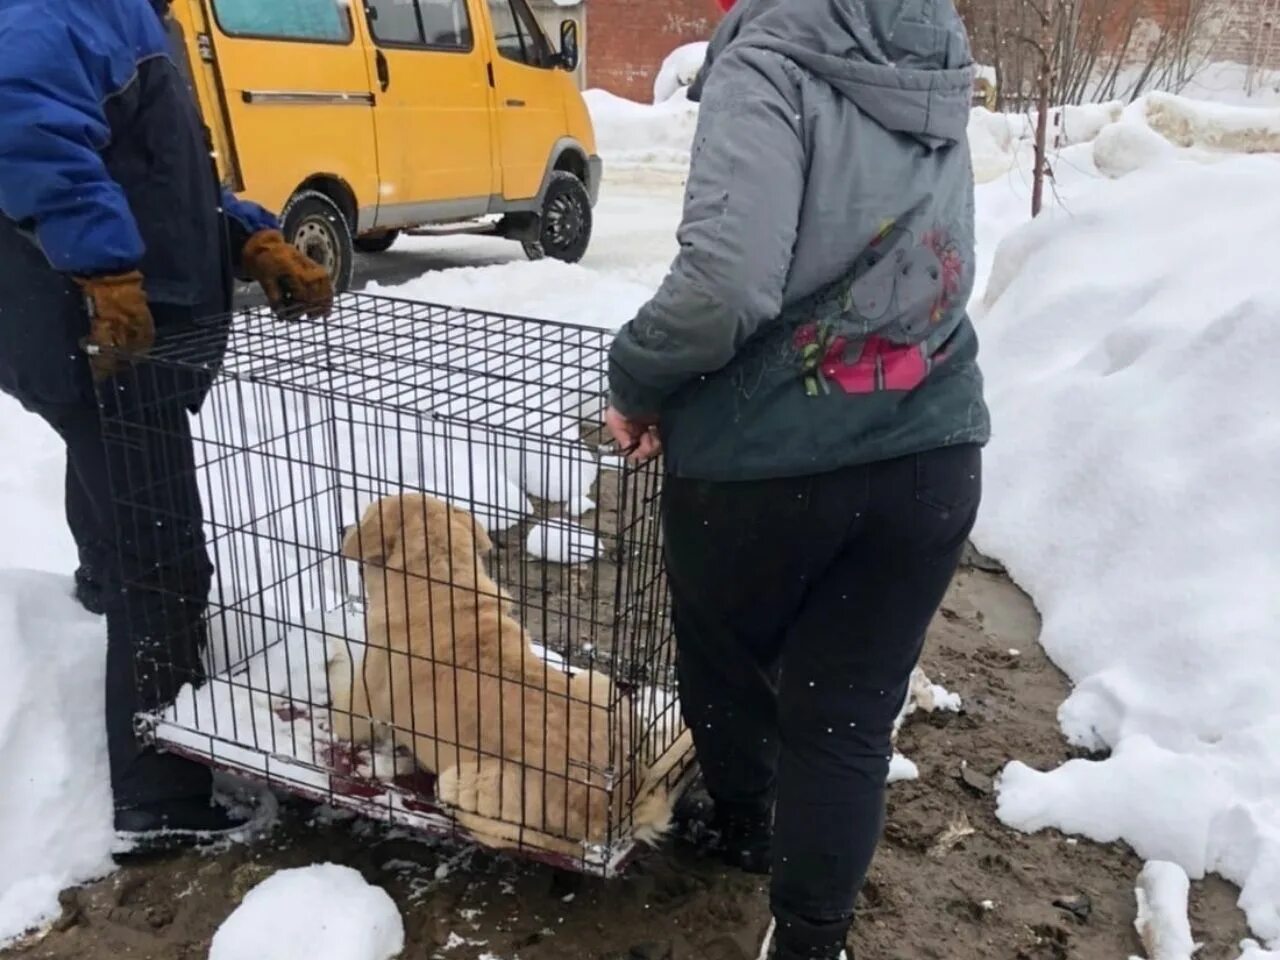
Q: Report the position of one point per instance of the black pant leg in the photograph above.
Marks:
(90, 531)
(155, 575)
(738, 558)
(846, 667)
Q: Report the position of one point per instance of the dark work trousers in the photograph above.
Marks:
(146, 546)
(800, 609)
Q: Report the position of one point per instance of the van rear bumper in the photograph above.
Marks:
(595, 172)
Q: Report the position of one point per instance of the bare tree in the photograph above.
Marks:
(1100, 49)
(1049, 53)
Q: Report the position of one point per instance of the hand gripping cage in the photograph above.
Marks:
(245, 455)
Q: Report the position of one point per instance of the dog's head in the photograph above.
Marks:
(420, 535)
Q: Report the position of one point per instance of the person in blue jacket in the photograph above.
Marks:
(115, 234)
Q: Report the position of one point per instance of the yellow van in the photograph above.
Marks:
(362, 119)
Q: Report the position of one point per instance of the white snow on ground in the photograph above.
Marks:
(1128, 345)
(322, 912)
(678, 70)
(55, 819)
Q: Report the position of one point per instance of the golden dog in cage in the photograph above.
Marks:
(520, 748)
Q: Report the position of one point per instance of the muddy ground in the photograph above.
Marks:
(992, 894)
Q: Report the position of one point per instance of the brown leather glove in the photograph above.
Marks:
(293, 282)
(119, 320)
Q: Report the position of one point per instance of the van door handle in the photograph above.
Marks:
(515, 103)
(384, 71)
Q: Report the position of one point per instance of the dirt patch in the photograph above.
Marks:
(936, 890)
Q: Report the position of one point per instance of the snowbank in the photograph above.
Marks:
(55, 807)
(324, 912)
(1163, 892)
(630, 134)
(1131, 491)
(1213, 126)
(678, 70)
(1155, 128)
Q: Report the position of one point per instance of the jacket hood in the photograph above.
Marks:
(904, 63)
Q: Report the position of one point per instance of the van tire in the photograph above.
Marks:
(315, 225)
(377, 242)
(565, 220)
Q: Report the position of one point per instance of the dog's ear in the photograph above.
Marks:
(374, 537)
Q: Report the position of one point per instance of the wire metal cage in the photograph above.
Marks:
(386, 561)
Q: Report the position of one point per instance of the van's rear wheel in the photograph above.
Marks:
(314, 224)
(566, 221)
(377, 242)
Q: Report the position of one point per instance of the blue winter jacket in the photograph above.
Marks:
(104, 168)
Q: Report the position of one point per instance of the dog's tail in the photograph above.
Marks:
(651, 820)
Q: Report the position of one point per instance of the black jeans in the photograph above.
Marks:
(800, 608)
(146, 547)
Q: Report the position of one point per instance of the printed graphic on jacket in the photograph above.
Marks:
(874, 330)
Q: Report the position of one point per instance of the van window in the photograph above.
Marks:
(323, 21)
(438, 24)
(517, 34)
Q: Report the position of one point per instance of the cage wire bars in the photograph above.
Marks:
(244, 452)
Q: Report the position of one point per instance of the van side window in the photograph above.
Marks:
(322, 21)
(435, 24)
(517, 34)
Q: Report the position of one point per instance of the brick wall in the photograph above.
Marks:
(628, 39)
(1250, 32)
(1245, 31)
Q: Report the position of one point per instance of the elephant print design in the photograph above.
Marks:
(897, 292)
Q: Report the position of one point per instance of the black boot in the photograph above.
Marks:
(797, 939)
(739, 835)
(88, 592)
(176, 825)
(744, 837)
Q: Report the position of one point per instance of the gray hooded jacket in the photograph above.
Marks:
(815, 316)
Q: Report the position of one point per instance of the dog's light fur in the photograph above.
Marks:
(510, 738)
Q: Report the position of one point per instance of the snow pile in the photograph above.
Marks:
(1123, 148)
(323, 912)
(1156, 127)
(55, 807)
(1188, 123)
(1162, 893)
(678, 70)
(655, 137)
(1131, 491)
(558, 542)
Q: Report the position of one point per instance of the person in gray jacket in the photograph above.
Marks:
(809, 370)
